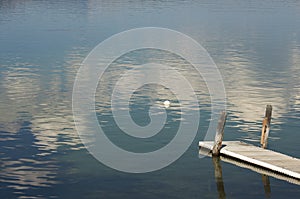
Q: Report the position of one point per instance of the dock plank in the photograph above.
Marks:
(265, 158)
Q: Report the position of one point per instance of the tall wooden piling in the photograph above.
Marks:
(219, 134)
(266, 127)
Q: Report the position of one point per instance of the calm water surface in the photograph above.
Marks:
(256, 45)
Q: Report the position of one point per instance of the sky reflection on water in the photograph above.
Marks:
(256, 45)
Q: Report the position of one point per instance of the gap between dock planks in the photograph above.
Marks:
(257, 156)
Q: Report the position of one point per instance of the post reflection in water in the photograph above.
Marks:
(219, 177)
(220, 183)
(267, 187)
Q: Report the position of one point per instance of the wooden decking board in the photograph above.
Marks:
(265, 158)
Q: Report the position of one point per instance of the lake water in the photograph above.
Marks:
(255, 44)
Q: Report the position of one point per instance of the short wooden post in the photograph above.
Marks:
(266, 127)
(219, 134)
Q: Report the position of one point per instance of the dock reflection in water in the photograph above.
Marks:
(265, 174)
(220, 182)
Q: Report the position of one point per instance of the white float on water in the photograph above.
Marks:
(167, 103)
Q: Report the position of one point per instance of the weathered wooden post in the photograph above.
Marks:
(219, 134)
(266, 127)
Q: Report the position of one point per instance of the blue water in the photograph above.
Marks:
(255, 44)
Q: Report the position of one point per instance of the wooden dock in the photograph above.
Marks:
(257, 156)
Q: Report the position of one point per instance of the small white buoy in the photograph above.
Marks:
(167, 103)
